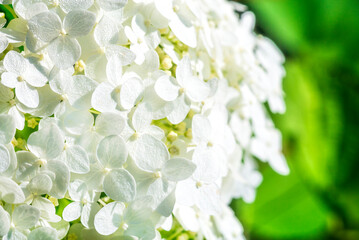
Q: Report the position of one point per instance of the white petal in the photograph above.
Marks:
(46, 143)
(46, 25)
(130, 92)
(77, 122)
(35, 74)
(279, 164)
(106, 32)
(61, 178)
(180, 110)
(9, 79)
(178, 169)
(138, 25)
(120, 185)
(27, 95)
(110, 123)
(196, 89)
(165, 7)
(47, 209)
(7, 128)
(61, 226)
(27, 168)
(77, 189)
(5, 93)
(25, 216)
(183, 70)
(208, 166)
(208, 200)
(108, 219)
(88, 214)
(110, 5)
(141, 118)
(96, 67)
(43, 233)
(114, 70)
(101, 98)
(4, 43)
(165, 208)
(4, 158)
(150, 153)
(166, 88)
(10, 192)
(40, 184)
(79, 22)
(72, 211)
(69, 5)
(77, 159)
(64, 51)
(15, 234)
(184, 30)
(112, 152)
(18, 116)
(79, 91)
(5, 221)
(201, 129)
(125, 55)
(14, 62)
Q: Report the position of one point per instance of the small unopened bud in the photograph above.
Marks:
(172, 136)
(166, 63)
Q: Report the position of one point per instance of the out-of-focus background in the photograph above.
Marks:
(320, 197)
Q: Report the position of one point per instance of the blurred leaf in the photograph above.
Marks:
(287, 211)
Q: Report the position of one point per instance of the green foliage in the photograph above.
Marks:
(319, 199)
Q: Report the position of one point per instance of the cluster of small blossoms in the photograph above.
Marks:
(122, 118)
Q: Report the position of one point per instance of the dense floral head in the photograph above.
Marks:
(129, 118)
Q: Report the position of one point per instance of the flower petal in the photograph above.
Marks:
(64, 51)
(110, 123)
(79, 22)
(40, 184)
(46, 143)
(131, 91)
(150, 153)
(7, 128)
(112, 152)
(27, 95)
(111, 5)
(46, 25)
(101, 98)
(72, 211)
(14, 62)
(10, 192)
(201, 129)
(4, 158)
(25, 216)
(5, 221)
(108, 219)
(69, 5)
(120, 185)
(77, 159)
(43, 233)
(166, 88)
(60, 178)
(178, 169)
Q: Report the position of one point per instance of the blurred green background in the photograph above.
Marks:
(320, 197)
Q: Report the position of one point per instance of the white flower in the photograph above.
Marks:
(24, 77)
(131, 115)
(187, 89)
(64, 50)
(84, 204)
(18, 224)
(132, 220)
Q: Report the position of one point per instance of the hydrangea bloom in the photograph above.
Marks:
(122, 119)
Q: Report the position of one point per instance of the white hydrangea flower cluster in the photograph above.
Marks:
(121, 118)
